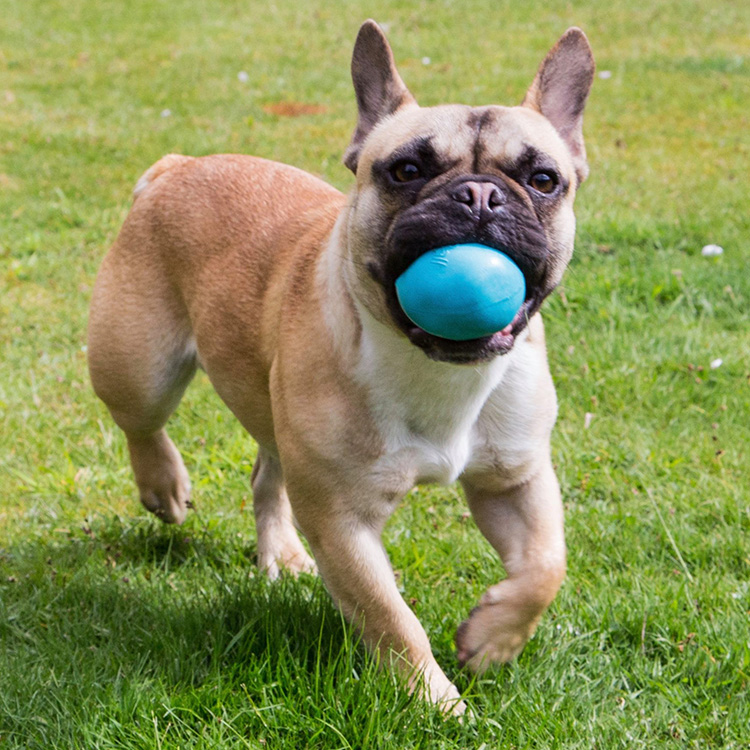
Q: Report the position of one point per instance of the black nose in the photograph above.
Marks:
(480, 197)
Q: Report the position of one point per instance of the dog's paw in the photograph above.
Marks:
(169, 501)
(452, 705)
(493, 633)
(434, 687)
(161, 477)
(284, 554)
(168, 497)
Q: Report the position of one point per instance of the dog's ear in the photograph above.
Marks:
(377, 84)
(561, 88)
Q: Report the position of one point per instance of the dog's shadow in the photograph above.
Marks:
(159, 603)
(140, 617)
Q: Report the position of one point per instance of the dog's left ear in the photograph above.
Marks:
(377, 84)
(560, 90)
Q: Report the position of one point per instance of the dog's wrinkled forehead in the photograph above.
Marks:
(474, 140)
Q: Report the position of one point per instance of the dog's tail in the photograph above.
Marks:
(156, 170)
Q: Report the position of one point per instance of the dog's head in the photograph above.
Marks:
(429, 177)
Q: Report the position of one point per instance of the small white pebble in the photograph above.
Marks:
(243, 76)
(426, 61)
(166, 113)
(718, 362)
(605, 74)
(711, 251)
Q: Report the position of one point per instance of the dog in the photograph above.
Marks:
(282, 290)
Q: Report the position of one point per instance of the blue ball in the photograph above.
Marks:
(461, 292)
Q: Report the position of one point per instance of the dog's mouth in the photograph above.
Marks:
(469, 352)
(460, 212)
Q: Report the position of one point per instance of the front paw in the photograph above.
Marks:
(493, 633)
(433, 686)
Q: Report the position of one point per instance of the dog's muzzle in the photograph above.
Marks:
(474, 208)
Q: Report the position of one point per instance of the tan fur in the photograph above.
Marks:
(256, 272)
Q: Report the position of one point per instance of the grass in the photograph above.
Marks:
(117, 632)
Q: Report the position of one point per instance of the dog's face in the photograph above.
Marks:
(504, 177)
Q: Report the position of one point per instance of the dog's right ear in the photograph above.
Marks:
(377, 84)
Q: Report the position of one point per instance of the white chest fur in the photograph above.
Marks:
(425, 411)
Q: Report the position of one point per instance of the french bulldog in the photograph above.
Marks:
(282, 290)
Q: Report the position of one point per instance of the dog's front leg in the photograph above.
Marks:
(525, 525)
(346, 542)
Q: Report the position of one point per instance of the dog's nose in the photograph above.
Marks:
(480, 197)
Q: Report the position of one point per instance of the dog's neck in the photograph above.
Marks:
(432, 399)
(425, 411)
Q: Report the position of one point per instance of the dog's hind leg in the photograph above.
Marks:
(141, 359)
(279, 546)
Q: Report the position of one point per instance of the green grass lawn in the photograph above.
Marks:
(118, 632)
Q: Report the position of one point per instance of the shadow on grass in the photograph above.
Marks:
(158, 604)
(122, 622)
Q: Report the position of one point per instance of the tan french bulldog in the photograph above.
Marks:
(282, 290)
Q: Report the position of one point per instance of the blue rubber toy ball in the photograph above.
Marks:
(461, 292)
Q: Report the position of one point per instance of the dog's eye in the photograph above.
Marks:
(405, 171)
(543, 182)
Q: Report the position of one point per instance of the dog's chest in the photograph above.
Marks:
(425, 411)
